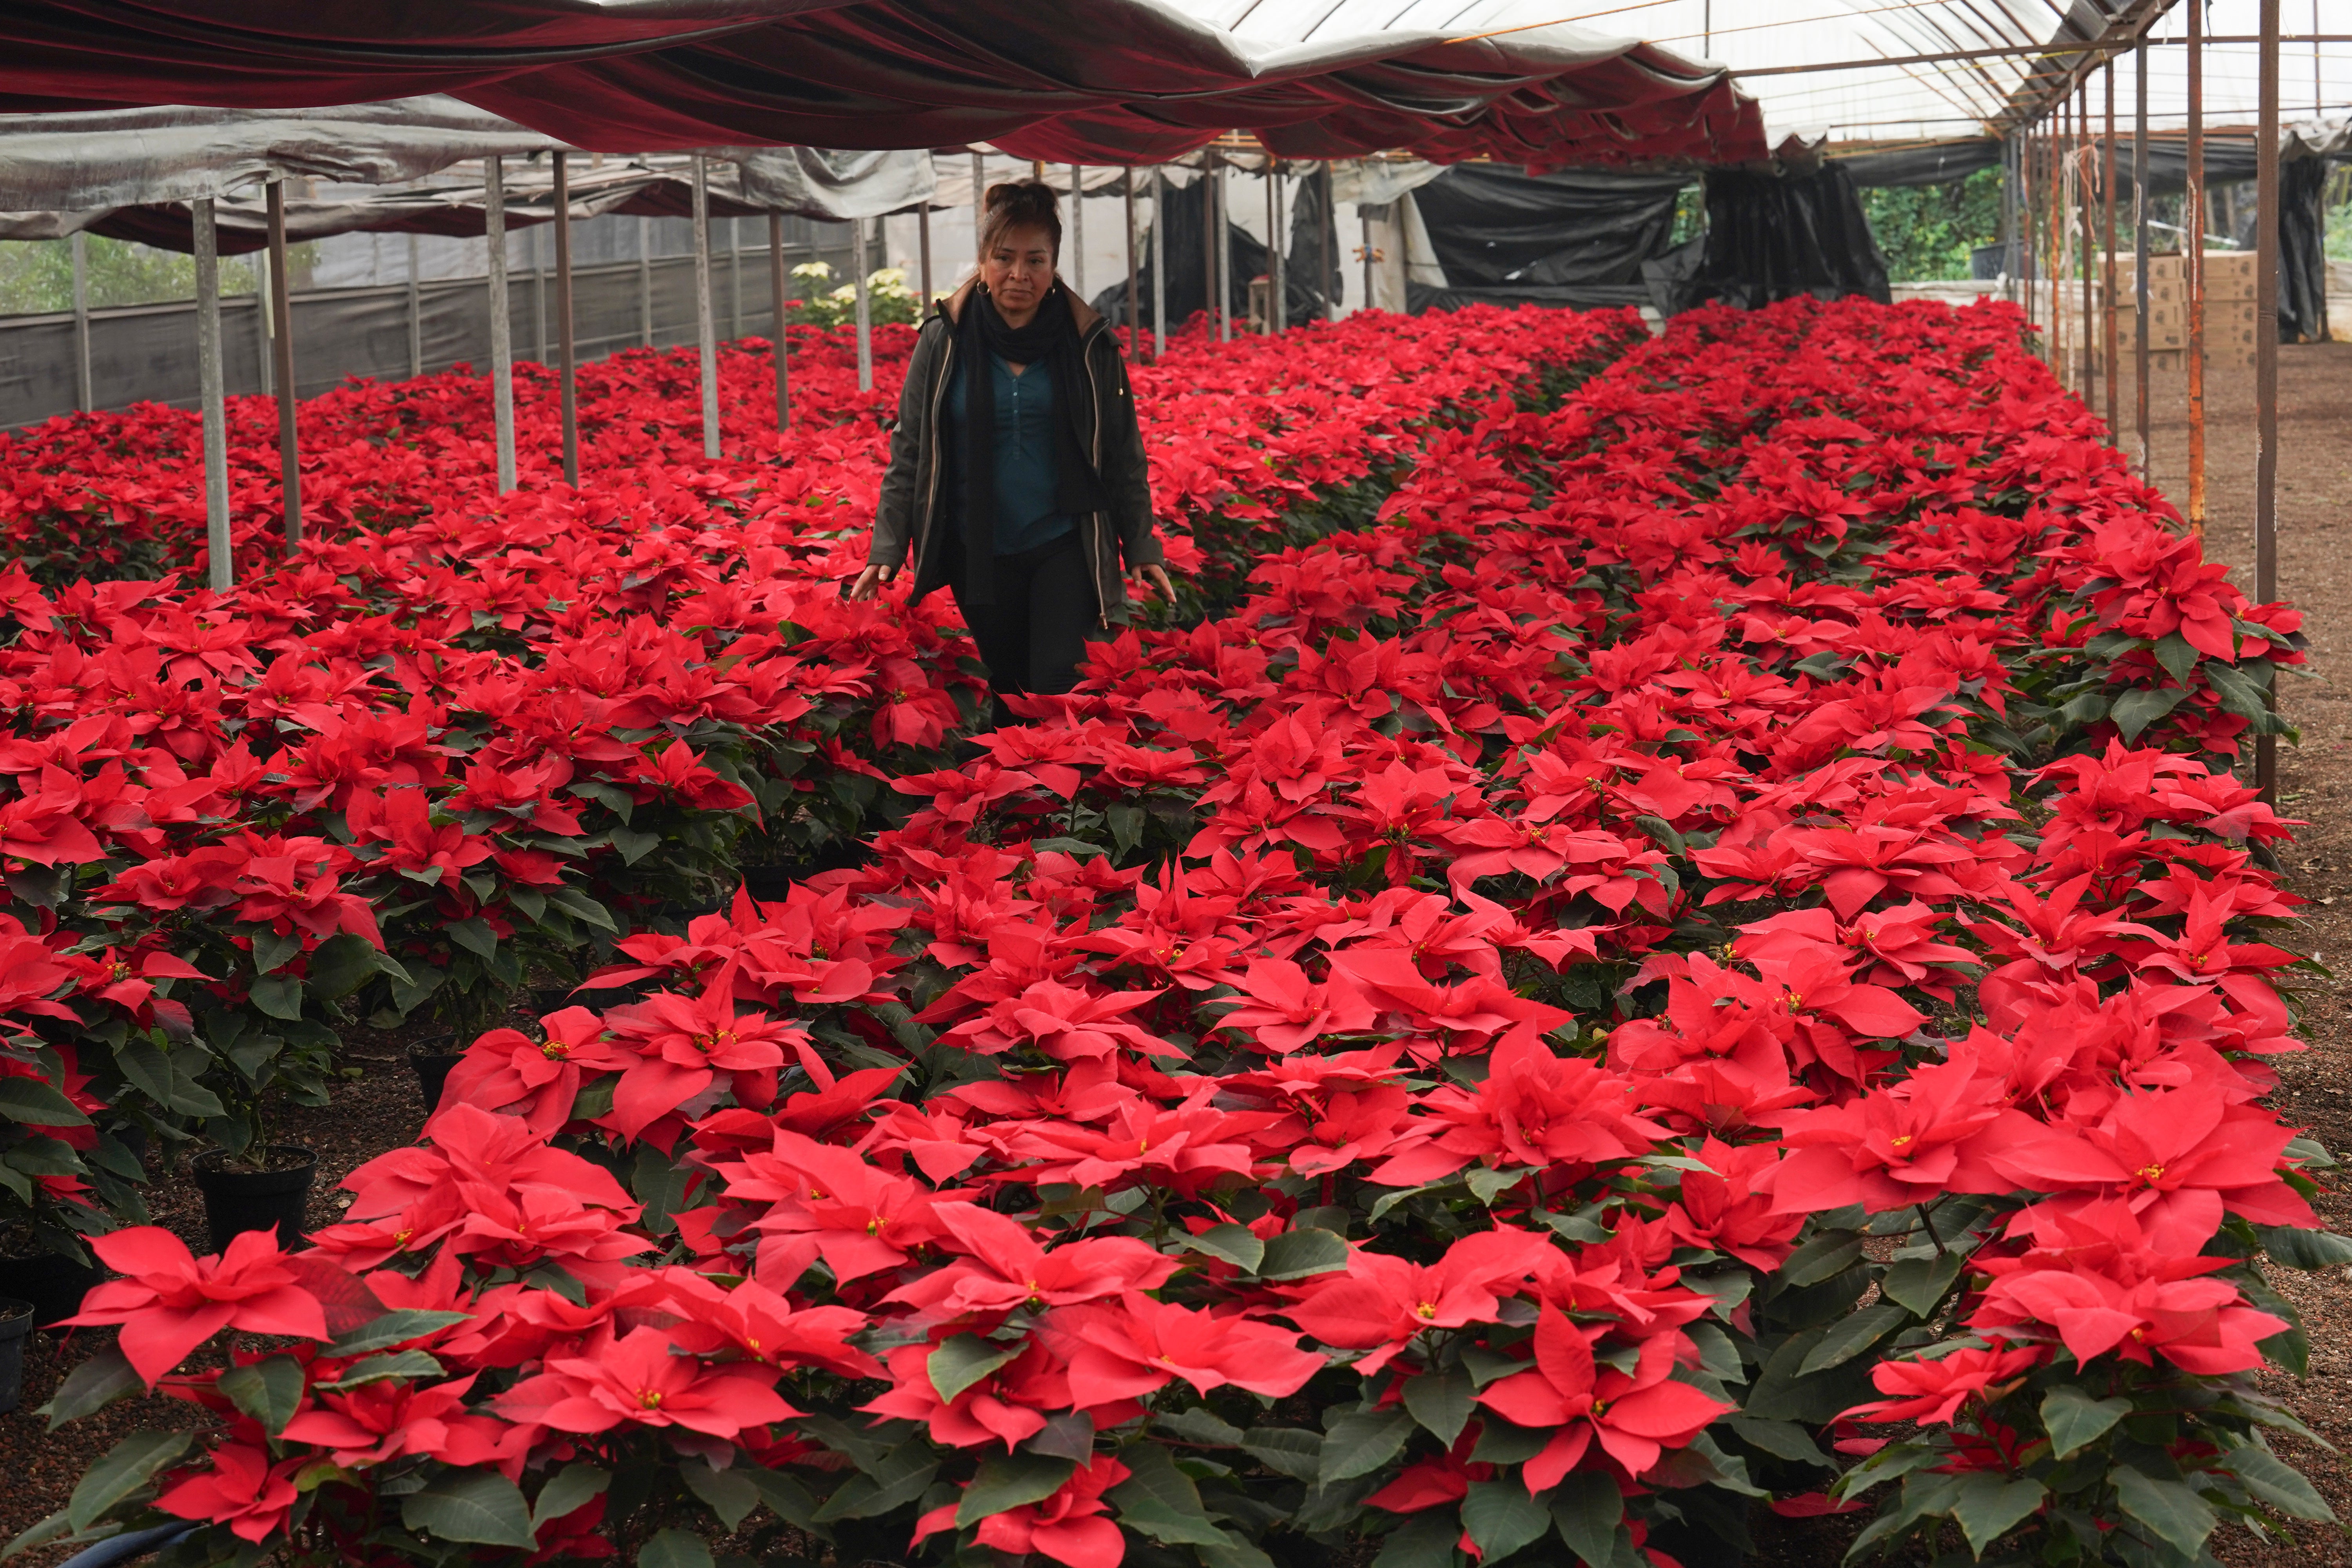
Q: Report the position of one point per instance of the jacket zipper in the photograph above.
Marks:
(931, 490)
(1094, 394)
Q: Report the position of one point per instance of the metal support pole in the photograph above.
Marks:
(1277, 292)
(646, 282)
(2266, 347)
(2029, 221)
(1364, 220)
(781, 352)
(1208, 244)
(2192, 256)
(1222, 236)
(923, 253)
(706, 328)
(1158, 263)
(1078, 230)
(1134, 320)
(84, 398)
(857, 263)
(567, 393)
(539, 296)
(494, 221)
(734, 279)
(979, 194)
(2083, 198)
(219, 550)
(281, 321)
(2112, 370)
(265, 349)
(416, 315)
(2140, 249)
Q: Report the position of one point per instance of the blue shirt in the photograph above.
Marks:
(1026, 474)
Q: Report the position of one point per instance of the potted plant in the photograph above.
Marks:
(249, 1180)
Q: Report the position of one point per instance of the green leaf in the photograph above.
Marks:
(32, 1102)
(1989, 1505)
(1919, 1283)
(1781, 1439)
(1486, 1185)
(1851, 1335)
(1296, 1453)
(1501, 1518)
(1236, 1243)
(2173, 652)
(1198, 1425)
(1359, 1444)
(393, 1328)
(897, 1478)
(1586, 1508)
(2172, 1510)
(675, 1549)
(271, 951)
(1826, 1256)
(268, 1389)
(583, 908)
(2296, 1248)
(1007, 1481)
(787, 1500)
(964, 1360)
(2141, 706)
(2244, 691)
(2276, 1482)
(399, 1364)
(1126, 820)
(91, 1386)
(1235, 1554)
(2073, 1418)
(1442, 1402)
(1152, 1477)
(568, 1491)
(127, 1466)
(474, 934)
(277, 997)
(729, 1492)
(479, 1507)
(1148, 1516)
(1295, 1254)
(1424, 1541)
(343, 964)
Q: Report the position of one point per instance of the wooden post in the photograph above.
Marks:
(1220, 235)
(1158, 263)
(1208, 244)
(567, 395)
(781, 352)
(1134, 321)
(282, 311)
(2266, 347)
(2083, 199)
(416, 315)
(2030, 222)
(84, 396)
(2139, 246)
(494, 226)
(1364, 220)
(734, 279)
(859, 263)
(2112, 369)
(211, 397)
(646, 282)
(923, 251)
(1078, 230)
(1326, 219)
(706, 324)
(2192, 257)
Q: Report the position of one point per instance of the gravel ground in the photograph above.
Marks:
(378, 1106)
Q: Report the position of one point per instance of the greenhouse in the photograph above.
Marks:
(1175, 783)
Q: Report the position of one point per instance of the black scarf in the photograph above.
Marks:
(1051, 339)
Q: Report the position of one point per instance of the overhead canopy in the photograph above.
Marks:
(1095, 81)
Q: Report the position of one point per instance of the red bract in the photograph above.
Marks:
(1633, 1416)
(642, 1379)
(169, 1302)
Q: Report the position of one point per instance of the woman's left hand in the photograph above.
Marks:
(1152, 582)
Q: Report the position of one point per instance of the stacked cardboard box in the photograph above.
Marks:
(2230, 331)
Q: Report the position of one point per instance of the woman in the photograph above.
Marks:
(1016, 470)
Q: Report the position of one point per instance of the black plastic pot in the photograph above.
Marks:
(431, 1058)
(54, 1284)
(546, 999)
(16, 1323)
(239, 1201)
(768, 884)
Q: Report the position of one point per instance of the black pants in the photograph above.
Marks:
(1034, 636)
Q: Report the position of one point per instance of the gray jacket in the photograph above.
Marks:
(913, 514)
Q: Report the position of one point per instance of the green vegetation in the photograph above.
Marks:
(1926, 232)
(36, 275)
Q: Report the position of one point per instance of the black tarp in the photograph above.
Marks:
(1187, 288)
(1938, 164)
(1575, 237)
(2303, 252)
(1314, 235)
(1773, 237)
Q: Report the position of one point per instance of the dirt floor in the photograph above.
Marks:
(379, 1108)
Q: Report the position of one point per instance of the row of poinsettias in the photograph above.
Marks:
(1470, 1048)
(432, 760)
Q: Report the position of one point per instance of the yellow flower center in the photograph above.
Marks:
(649, 1398)
(1426, 1311)
(2151, 1174)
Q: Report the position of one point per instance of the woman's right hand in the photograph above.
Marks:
(869, 582)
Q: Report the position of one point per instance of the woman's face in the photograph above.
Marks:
(1019, 269)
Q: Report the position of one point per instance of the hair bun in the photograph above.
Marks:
(1019, 203)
